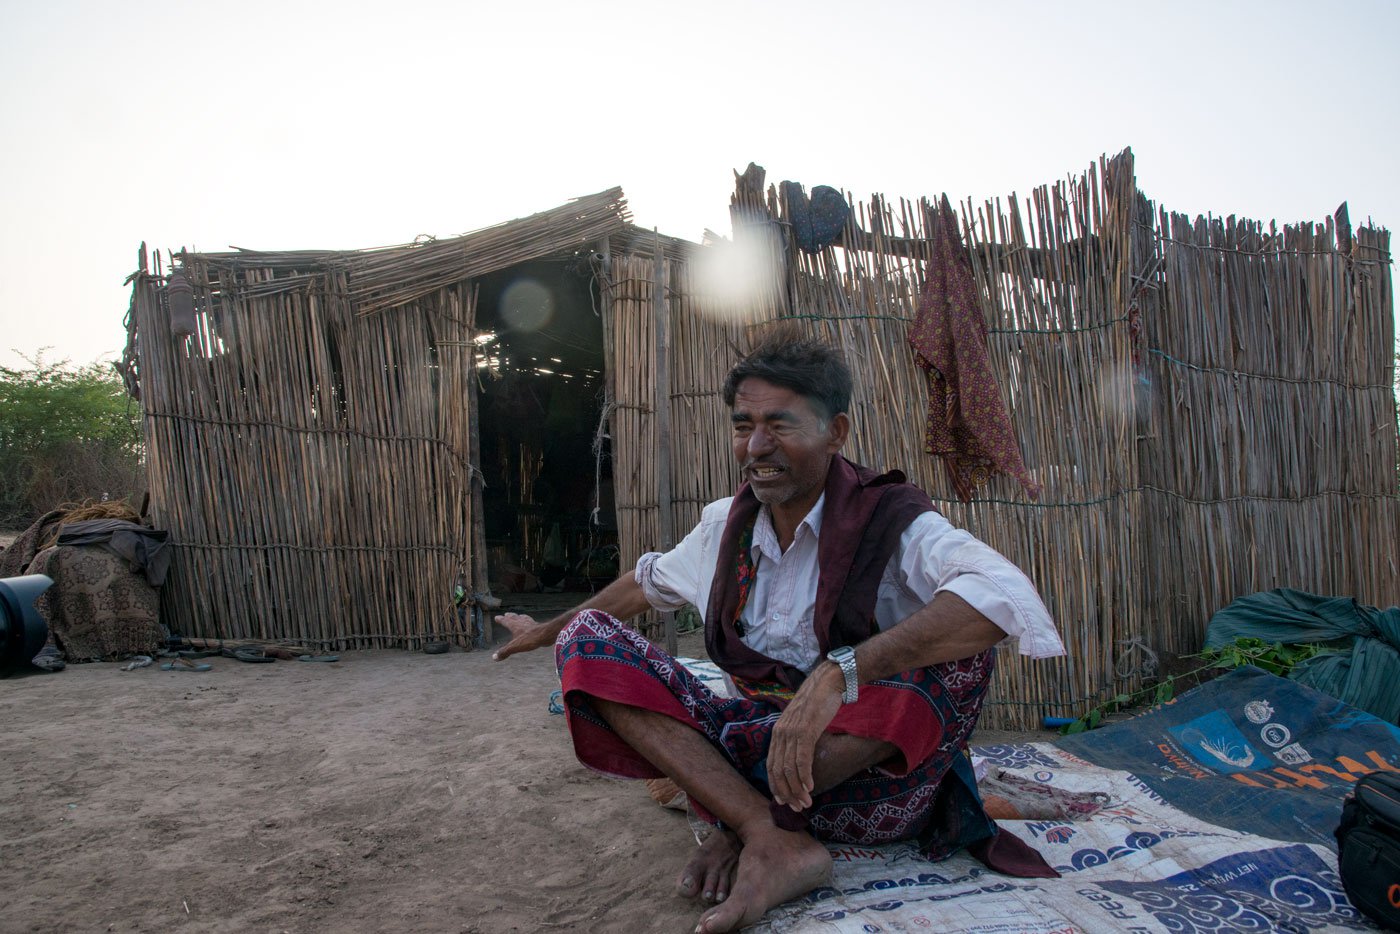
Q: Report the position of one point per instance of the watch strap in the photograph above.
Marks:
(845, 658)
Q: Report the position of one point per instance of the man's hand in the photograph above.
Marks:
(622, 599)
(794, 741)
(525, 635)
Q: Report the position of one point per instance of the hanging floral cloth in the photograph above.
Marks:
(968, 425)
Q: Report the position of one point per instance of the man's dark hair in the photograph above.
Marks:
(811, 368)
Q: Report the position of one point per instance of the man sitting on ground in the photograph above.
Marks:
(857, 626)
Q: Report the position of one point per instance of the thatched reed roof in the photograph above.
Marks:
(388, 277)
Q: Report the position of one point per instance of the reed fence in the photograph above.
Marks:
(702, 350)
(1269, 455)
(1207, 408)
(1207, 404)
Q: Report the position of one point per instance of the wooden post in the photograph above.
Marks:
(661, 315)
(480, 582)
(603, 248)
(607, 311)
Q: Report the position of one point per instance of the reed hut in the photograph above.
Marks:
(316, 436)
(1207, 404)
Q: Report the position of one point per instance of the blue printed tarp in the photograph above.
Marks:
(1219, 816)
(1250, 751)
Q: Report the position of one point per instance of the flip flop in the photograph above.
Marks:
(318, 658)
(49, 660)
(184, 664)
(137, 661)
(257, 656)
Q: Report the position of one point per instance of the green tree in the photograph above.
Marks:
(67, 433)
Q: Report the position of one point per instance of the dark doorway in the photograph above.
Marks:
(549, 516)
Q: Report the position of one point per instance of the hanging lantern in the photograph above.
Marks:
(180, 295)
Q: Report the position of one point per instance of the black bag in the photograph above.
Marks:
(1368, 848)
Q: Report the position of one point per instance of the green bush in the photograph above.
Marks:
(67, 434)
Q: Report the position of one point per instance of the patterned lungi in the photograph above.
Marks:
(927, 714)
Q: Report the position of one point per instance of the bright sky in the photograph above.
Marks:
(315, 125)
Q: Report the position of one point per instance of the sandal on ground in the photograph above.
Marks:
(185, 664)
(318, 658)
(257, 656)
(49, 660)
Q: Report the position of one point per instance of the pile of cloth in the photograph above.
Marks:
(106, 567)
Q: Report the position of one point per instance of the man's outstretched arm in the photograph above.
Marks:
(623, 599)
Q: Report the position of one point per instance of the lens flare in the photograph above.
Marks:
(734, 280)
(1125, 394)
(526, 305)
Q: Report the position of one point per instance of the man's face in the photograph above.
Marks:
(782, 443)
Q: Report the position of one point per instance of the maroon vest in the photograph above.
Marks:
(862, 519)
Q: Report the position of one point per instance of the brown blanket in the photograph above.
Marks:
(98, 607)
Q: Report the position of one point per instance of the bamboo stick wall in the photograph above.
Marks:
(1056, 335)
(703, 351)
(1206, 420)
(1271, 459)
(633, 427)
(311, 463)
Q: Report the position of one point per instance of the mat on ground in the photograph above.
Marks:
(1220, 812)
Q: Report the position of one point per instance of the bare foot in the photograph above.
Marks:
(710, 872)
(774, 866)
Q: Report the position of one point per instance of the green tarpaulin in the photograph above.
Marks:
(1363, 668)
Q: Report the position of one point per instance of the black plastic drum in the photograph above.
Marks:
(22, 630)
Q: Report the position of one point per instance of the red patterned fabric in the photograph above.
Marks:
(745, 573)
(927, 713)
(968, 425)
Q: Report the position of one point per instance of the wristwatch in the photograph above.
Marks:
(845, 657)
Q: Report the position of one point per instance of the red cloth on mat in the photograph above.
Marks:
(1009, 855)
(968, 425)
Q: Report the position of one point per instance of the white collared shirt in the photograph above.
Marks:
(932, 557)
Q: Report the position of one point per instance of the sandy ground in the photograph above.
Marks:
(390, 791)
